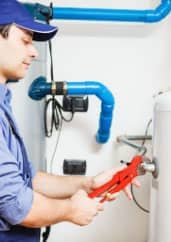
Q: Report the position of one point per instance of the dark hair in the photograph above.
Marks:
(4, 30)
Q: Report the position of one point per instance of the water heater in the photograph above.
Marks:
(160, 204)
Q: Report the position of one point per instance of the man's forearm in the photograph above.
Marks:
(79, 209)
(60, 186)
(46, 211)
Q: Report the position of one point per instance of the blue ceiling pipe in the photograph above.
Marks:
(39, 11)
(40, 88)
(96, 14)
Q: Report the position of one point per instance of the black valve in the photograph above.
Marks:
(74, 167)
(75, 103)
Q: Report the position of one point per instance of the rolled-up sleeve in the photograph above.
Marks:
(16, 197)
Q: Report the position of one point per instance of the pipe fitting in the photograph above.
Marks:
(150, 166)
(127, 139)
(107, 104)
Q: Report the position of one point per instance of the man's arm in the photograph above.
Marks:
(79, 209)
(54, 186)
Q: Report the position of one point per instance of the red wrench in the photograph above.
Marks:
(120, 180)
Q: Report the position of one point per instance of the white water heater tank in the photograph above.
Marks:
(160, 208)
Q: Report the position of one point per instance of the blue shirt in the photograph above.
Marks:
(16, 196)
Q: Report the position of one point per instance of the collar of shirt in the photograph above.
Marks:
(5, 103)
(5, 94)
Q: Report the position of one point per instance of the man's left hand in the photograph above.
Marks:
(106, 176)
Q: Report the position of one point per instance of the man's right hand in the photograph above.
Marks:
(83, 208)
(78, 209)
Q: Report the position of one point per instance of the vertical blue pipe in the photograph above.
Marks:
(107, 105)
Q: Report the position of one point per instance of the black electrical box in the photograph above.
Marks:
(75, 103)
(74, 167)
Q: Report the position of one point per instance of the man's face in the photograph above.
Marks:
(16, 54)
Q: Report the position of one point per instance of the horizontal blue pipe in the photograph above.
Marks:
(96, 14)
(107, 104)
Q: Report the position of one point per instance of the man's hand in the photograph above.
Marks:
(83, 209)
(106, 176)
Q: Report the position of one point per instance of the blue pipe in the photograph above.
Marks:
(40, 88)
(96, 14)
(107, 105)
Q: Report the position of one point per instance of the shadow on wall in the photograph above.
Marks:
(104, 29)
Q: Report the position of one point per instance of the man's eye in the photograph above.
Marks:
(26, 41)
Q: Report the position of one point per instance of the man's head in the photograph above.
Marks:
(16, 52)
(17, 32)
(13, 12)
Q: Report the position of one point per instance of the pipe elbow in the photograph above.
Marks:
(159, 13)
(39, 88)
(103, 93)
(106, 115)
(107, 104)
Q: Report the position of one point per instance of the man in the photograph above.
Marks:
(29, 201)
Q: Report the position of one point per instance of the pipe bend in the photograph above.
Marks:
(39, 88)
(103, 93)
(106, 114)
(107, 104)
(159, 13)
(91, 88)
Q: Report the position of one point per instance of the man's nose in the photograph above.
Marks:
(33, 52)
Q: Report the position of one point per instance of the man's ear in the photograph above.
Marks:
(2, 37)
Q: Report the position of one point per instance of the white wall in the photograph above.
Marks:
(29, 114)
(133, 60)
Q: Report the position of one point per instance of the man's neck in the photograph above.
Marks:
(2, 79)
